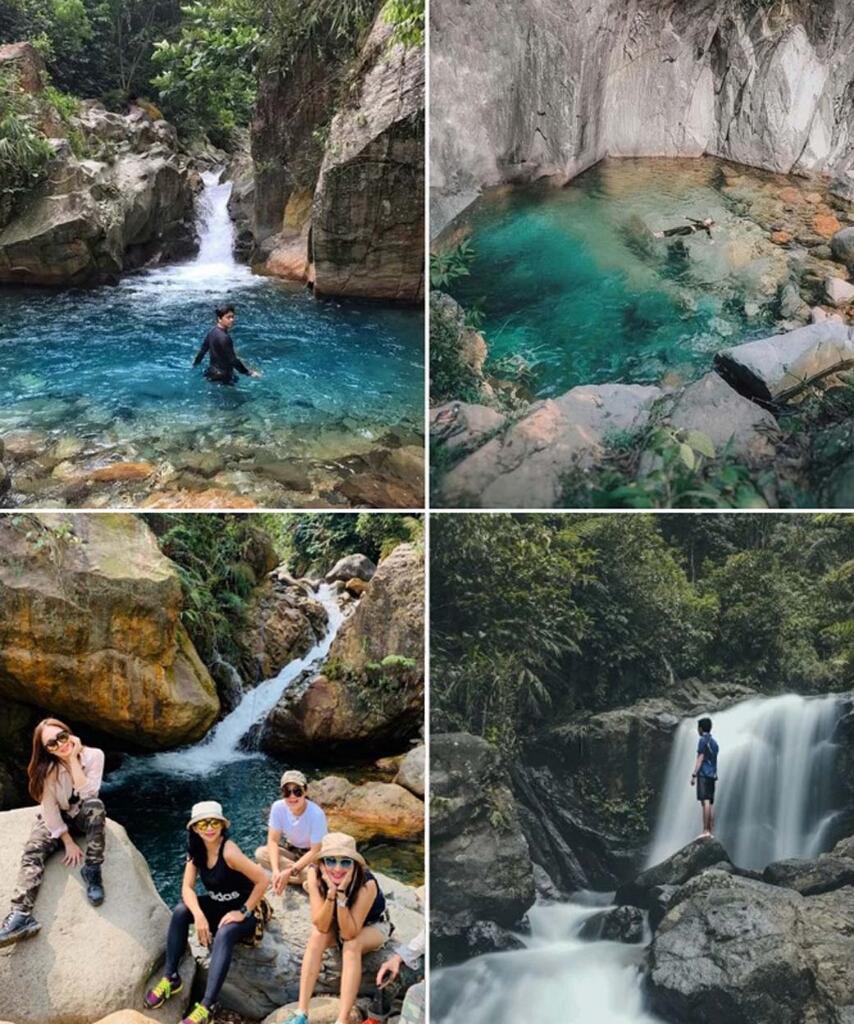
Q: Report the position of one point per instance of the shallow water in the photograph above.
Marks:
(111, 366)
(573, 279)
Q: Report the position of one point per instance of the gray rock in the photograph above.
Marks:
(710, 406)
(737, 950)
(410, 774)
(810, 877)
(473, 822)
(556, 93)
(462, 426)
(617, 924)
(547, 891)
(682, 866)
(838, 292)
(842, 247)
(352, 566)
(774, 368)
(526, 465)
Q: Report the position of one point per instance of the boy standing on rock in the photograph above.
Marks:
(706, 775)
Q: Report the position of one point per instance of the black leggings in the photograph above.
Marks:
(222, 947)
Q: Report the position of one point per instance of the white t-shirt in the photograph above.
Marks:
(303, 831)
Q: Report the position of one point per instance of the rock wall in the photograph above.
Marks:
(524, 90)
(368, 215)
(90, 629)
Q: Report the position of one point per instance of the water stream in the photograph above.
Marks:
(151, 795)
(108, 371)
(776, 792)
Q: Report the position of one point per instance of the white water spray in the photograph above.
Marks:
(775, 789)
(558, 977)
(222, 743)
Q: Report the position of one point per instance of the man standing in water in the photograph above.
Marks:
(223, 359)
(706, 775)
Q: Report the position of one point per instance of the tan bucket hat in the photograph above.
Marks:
(339, 844)
(207, 809)
(295, 777)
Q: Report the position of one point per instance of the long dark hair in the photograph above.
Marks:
(356, 883)
(42, 762)
(197, 852)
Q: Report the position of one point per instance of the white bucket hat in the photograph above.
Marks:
(207, 809)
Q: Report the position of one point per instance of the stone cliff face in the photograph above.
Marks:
(550, 89)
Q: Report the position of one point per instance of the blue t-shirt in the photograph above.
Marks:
(708, 747)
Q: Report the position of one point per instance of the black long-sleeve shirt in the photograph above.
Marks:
(223, 359)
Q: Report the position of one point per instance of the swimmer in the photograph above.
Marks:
(688, 229)
(218, 344)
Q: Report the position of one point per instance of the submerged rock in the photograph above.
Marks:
(526, 466)
(772, 369)
(86, 961)
(617, 924)
(91, 629)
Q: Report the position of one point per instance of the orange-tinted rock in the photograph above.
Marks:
(780, 237)
(91, 629)
(370, 809)
(356, 586)
(791, 195)
(121, 471)
(826, 225)
(289, 260)
(280, 627)
(213, 497)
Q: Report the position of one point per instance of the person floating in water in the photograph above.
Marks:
(706, 775)
(690, 228)
(220, 348)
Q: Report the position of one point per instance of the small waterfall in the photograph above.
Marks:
(557, 977)
(776, 785)
(222, 743)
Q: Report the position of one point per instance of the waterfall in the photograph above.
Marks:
(222, 743)
(557, 977)
(776, 783)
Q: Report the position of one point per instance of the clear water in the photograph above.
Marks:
(111, 366)
(573, 280)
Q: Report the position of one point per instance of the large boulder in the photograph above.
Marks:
(281, 625)
(350, 567)
(682, 866)
(410, 774)
(824, 873)
(369, 810)
(743, 951)
(91, 629)
(473, 823)
(264, 978)
(775, 368)
(368, 217)
(371, 692)
(86, 962)
(526, 465)
(460, 427)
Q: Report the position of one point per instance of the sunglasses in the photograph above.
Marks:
(57, 741)
(338, 862)
(207, 823)
(293, 790)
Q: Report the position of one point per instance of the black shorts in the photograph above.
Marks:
(706, 788)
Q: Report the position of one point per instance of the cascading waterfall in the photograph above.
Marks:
(775, 798)
(776, 788)
(222, 743)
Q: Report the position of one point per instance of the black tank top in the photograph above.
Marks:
(378, 906)
(224, 884)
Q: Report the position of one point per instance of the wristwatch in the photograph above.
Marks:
(341, 900)
(247, 913)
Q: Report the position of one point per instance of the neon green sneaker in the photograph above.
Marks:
(163, 990)
(198, 1015)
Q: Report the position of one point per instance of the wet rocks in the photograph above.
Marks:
(617, 924)
(691, 860)
(92, 629)
(473, 821)
(281, 626)
(526, 465)
(825, 873)
(130, 927)
(368, 217)
(371, 809)
(777, 367)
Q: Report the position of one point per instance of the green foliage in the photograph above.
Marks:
(24, 151)
(327, 27)
(407, 16)
(451, 377)
(534, 616)
(206, 79)
(451, 264)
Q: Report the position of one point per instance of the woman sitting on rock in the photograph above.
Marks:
(64, 777)
(225, 914)
(347, 909)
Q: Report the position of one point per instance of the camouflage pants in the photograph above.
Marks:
(413, 1005)
(89, 821)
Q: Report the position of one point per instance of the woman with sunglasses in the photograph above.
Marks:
(294, 831)
(64, 778)
(347, 909)
(223, 916)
